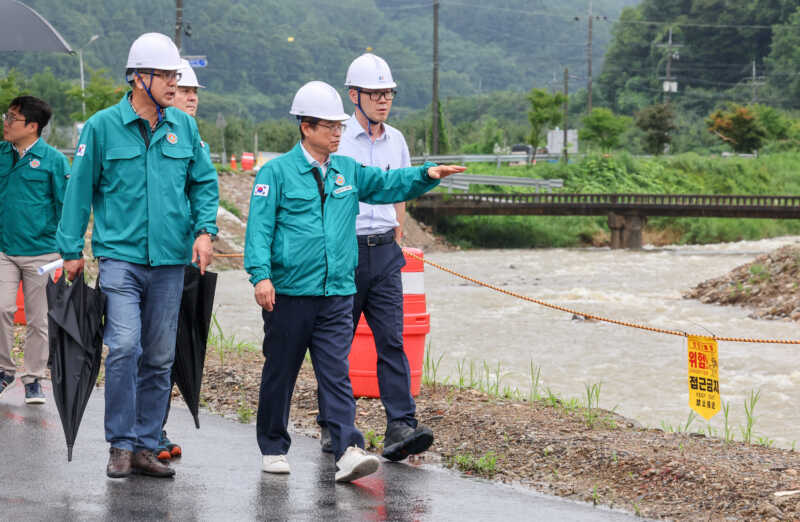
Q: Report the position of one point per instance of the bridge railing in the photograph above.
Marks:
(643, 200)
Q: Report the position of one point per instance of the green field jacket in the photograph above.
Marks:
(148, 201)
(306, 249)
(31, 198)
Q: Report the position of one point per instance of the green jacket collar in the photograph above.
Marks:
(302, 164)
(128, 115)
(39, 148)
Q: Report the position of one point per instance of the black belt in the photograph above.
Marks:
(376, 239)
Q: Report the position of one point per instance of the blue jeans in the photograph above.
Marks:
(142, 306)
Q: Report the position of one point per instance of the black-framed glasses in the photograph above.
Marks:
(166, 75)
(335, 128)
(377, 95)
(10, 118)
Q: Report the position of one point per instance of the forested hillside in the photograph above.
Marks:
(716, 45)
(254, 68)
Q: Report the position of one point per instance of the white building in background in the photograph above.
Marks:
(555, 141)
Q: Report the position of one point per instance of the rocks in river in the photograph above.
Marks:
(770, 285)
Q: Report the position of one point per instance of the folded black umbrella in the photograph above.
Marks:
(75, 327)
(194, 321)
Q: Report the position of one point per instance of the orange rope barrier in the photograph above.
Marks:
(592, 316)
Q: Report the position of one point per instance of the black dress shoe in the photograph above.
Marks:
(119, 463)
(144, 462)
(402, 440)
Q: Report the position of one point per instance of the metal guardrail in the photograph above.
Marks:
(497, 159)
(463, 181)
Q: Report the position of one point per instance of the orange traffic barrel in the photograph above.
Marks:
(233, 162)
(19, 315)
(248, 160)
(416, 325)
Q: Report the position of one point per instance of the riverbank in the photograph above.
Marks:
(768, 286)
(553, 445)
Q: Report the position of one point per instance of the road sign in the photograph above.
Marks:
(221, 123)
(197, 61)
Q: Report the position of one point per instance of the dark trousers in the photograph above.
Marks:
(379, 296)
(324, 326)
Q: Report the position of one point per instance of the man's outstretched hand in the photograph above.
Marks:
(442, 171)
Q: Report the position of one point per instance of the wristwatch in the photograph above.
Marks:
(204, 231)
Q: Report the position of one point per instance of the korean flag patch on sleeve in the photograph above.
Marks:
(261, 190)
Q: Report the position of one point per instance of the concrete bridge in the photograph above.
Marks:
(627, 213)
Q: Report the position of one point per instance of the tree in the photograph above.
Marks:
(444, 140)
(8, 90)
(545, 112)
(774, 122)
(656, 121)
(738, 127)
(784, 82)
(603, 128)
(100, 93)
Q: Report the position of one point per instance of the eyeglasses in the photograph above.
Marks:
(377, 95)
(167, 75)
(10, 118)
(335, 128)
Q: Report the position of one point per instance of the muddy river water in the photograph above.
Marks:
(642, 374)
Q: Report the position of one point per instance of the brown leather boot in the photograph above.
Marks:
(144, 462)
(119, 463)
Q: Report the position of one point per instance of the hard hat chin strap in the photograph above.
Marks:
(370, 122)
(159, 108)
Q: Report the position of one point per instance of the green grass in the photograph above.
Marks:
(230, 207)
(226, 344)
(485, 465)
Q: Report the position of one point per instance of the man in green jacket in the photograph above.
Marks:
(141, 166)
(301, 253)
(33, 177)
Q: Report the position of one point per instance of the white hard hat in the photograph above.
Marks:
(188, 77)
(154, 51)
(318, 100)
(369, 72)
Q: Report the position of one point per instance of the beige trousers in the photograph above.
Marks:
(14, 269)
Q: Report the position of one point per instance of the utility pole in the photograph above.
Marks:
(589, 62)
(670, 83)
(755, 82)
(566, 108)
(178, 22)
(435, 104)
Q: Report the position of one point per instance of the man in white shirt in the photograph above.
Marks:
(369, 140)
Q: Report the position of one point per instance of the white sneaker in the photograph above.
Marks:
(356, 463)
(274, 464)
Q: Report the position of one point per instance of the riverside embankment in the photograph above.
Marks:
(557, 444)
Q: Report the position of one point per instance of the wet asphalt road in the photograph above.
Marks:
(219, 478)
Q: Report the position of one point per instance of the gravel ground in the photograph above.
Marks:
(553, 447)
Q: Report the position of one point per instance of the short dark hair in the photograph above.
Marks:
(307, 119)
(34, 110)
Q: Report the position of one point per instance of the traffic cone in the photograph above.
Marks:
(233, 162)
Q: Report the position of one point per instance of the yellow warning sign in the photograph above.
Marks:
(704, 376)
